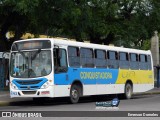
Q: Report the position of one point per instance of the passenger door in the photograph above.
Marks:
(60, 67)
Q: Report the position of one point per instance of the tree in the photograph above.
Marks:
(15, 17)
(139, 19)
(122, 22)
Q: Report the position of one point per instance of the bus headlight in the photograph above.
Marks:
(45, 85)
(13, 86)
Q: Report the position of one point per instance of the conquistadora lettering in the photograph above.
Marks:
(96, 75)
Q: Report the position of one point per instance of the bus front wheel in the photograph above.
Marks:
(75, 94)
(128, 91)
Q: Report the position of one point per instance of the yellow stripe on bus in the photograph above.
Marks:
(136, 76)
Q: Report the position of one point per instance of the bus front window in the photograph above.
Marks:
(30, 64)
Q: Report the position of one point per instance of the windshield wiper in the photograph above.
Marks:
(35, 54)
(20, 51)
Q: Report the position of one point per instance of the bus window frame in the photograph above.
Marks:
(78, 55)
(56, 68)
(116, 59)
(95, 57)
(92, 65)
(143, 62)
(127, 60)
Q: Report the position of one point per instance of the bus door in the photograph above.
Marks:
(60, 67)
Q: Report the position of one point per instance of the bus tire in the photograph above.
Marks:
(128, 91)
(75, 93)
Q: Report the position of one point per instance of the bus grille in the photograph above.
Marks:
(26, 87)
(27, 82)
(29, 92)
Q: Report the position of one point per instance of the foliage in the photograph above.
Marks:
(128, 23)
(15, 17)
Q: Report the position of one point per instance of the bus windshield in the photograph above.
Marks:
(30, 64)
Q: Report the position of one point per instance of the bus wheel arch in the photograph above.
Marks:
(76, 91)
(128, 89)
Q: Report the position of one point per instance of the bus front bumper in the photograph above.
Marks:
(48, 92)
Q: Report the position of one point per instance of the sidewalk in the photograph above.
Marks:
(4, 98)
(150, 92)
(4, 93)
(155, 90)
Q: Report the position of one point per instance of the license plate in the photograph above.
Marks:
(14, 93)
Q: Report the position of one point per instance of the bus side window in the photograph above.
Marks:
(113, 61)
(60, 62)
(134, 64)
(87, 57)
(123, 60)
(143, 62)
(100, 59)
(74, 57)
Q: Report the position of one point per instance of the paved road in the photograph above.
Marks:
(138, 103)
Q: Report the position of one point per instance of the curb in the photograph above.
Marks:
(148, 93)
(3, 103)
(4, 95)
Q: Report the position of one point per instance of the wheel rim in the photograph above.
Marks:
(128, 91)
(74, 94)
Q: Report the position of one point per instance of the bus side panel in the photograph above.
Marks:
(142, 87)
(136, 76)
(89, 90)
(103, 81)
(110, 89)
(143, 80)
(61, 90)
(95, 81)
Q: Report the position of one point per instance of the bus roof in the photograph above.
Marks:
(67, 42)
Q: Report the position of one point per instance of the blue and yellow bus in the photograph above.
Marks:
(49, 67)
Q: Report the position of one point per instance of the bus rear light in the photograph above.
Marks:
(45, 92)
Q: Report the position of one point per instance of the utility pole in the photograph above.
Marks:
(155, 56)
(155, 48)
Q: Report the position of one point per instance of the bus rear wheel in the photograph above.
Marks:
(128, 91)
(75, 94)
